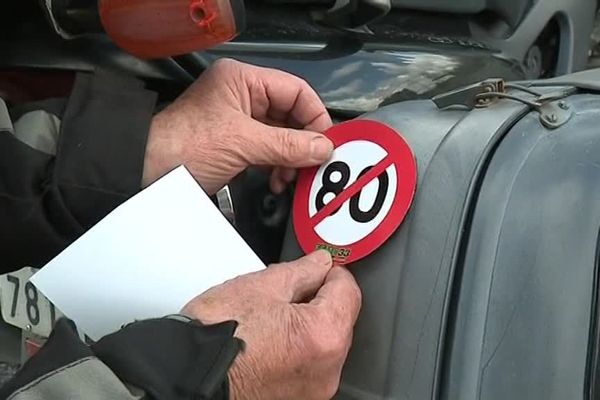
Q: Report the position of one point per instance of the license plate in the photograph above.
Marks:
(25, 307)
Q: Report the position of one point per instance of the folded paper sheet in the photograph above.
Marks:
(146, 259)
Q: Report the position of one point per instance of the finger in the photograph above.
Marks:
(276, 183)
(288, 174)
(281, 178)
(283, 97)
(284, 147)
(299, 280)
(340, 296)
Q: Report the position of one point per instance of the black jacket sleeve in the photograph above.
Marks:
(47, 201)
(163, 359)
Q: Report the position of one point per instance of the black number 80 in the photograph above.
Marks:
(337, 187)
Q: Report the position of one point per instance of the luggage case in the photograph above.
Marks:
(489, 288)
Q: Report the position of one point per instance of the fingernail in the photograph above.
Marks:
(277, 187)
(321, 257)
(320, 149)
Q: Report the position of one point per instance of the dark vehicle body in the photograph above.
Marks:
(471, 298)
(489, 288)
(409, 50)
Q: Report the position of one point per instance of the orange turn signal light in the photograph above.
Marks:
(164, 28)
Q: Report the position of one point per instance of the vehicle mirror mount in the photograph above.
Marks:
(353, 15)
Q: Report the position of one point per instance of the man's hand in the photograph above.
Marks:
(296, 320)
(234, 116)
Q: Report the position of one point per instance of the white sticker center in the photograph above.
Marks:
(360, 215)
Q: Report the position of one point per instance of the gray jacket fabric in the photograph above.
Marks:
(64, 165)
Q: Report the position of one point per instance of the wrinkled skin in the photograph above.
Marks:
(296, 320)
(234, 116)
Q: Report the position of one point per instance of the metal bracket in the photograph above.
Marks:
(225, 204)
(555, 114)
(469, 96)
(554, 111)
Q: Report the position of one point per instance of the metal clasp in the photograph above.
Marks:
(553, 109)
(468, 96)
(225, 204)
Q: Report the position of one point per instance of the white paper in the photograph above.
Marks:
(146, 259)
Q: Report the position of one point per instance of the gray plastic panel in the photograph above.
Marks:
(397, 338)
(523, 318)
(575, 19)
(588, 79)
(500, 242)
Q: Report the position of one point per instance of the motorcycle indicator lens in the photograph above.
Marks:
(164, 28)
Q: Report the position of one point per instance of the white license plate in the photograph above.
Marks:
(24, 306)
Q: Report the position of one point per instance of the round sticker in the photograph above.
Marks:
(352, 204)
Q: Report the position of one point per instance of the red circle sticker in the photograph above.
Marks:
(352, 204)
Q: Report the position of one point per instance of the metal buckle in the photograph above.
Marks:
(553, 109)
(468, 96)
(225, 204)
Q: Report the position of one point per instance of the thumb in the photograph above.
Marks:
(285, 147)
(299, 280)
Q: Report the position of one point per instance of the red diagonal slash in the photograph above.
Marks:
(351, 190)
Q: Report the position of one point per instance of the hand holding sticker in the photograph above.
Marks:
(351, 205)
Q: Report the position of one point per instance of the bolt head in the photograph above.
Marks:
(28, 327)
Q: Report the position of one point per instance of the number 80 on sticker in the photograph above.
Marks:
(353, 204)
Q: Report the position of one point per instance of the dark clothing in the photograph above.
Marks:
(47, 201)
(48, 198)
(171, 359)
